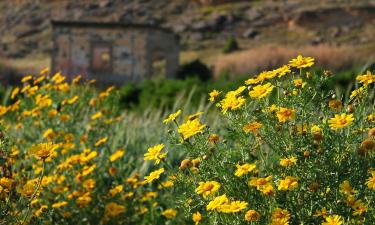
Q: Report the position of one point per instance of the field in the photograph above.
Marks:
(283, 147)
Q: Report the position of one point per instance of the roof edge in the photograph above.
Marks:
(58, 23)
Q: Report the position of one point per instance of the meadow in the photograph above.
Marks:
(286, 146)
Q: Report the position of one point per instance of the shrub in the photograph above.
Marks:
(231, 45)
(288, 152)
(195, 69)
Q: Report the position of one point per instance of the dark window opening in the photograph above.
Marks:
(101, 57)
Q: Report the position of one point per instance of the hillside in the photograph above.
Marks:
(204, 26)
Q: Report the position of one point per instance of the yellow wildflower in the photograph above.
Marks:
(217, 202)
(213, 95)
(333, 220)
(252, 216)
(114, 191)
(59, 204)
(285, 114)
(244, 169)
(116, 155)
(366, 79)
(371, 181)
(341, 121)
(286, 162)
(191, 128)
(301, 62)
(172, 117)
(43, 150)
(252, 127)
(154, 153)
(101, 141)
(288, 184)
(197, 218)
(113, 209)
(261, 91)
(169, 213)
(207, 188)
(154, 175)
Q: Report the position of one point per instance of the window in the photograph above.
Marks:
(101, 57)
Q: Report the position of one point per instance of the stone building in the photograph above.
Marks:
(113, 53)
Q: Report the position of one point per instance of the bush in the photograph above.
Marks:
(195, 69)
(289, 152)
(230, 46)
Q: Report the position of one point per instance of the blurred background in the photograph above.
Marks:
(219, 43)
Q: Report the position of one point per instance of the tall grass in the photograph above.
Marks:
(265, 57)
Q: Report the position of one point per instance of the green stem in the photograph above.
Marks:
(34, 194)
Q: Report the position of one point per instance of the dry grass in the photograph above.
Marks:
(267, 57)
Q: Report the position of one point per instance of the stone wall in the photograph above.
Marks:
(113, 54)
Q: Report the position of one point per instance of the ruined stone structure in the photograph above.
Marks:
(112, 52)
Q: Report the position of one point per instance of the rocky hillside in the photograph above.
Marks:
(25, 24)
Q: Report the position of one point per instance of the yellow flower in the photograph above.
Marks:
(262, 184)
(59, 204)
(301, 62)
(6, 183)
(113, 209)
(282, 71)
(197, 218)
(42, 209)
(172, 117)
(114, 191)
(333, 220)
(261, 91)
(72, 100)
(29, 188)
(101, 141)
(213, 95)
(89, 184)
(154, 175)
(154, 153)
(84, 199)
(359, 208)
(288, 184)
(88, 169)
(341, 121)
(321, 213)
(286, 162)
(14, 92)
(357, 92)
(169, 213)
(366, 79)
(233, 207)
(43, 150)
(191, 128)
(285, 114)
(244, 169)
(232, 100)
(49, 134)
(217, 202)
(116, 155)
(299, 83)
(207, 188)
(26, 78)
(96, 115)
(371, 181)
(252, 127)
(252, 216)
(280, 217)
(346, 188)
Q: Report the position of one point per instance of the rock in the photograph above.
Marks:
(178, 28)
(334, 32)
(317, 40)
(253, 14)
(196, 37)
(200, 26)
(250, 33)
(105, 4)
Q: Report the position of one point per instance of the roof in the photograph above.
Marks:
(106, 25)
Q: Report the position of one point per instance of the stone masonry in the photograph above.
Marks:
(112, 53)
